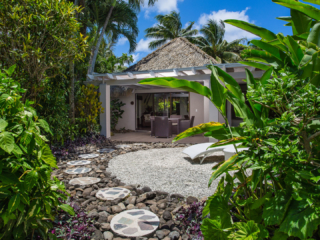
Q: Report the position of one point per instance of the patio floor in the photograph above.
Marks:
(144, 136)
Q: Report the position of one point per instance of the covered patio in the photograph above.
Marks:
(144, 137)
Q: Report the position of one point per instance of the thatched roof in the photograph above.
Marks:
(178, 53)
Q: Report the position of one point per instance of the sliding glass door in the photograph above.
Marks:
(160, 104)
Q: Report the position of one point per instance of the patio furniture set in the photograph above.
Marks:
(165, 127)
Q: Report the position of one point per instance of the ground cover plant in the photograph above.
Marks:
(29, 197)
(274, 191)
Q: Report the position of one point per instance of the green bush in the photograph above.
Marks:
(116, 112)
(29, 197)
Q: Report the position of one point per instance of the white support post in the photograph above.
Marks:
(105, 117)
(211, 113)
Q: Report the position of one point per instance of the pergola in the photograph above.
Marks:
(130, 79)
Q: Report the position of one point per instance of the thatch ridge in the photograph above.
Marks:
(178, 53)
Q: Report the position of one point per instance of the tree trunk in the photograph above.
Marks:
(71, 94)
(95, 49)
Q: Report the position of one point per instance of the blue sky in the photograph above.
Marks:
(260, 12)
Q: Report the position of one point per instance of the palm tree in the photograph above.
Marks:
(169, 27)
(112, 4)
(212, 42)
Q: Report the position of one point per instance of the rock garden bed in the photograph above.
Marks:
(165, 205)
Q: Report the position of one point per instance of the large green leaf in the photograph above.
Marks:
(211, 229)
(185, 85)
(67, 208)
(246, 231)
(45, 126)
(274, 210)
(3, 124)
(314, 36)
(224, 133)
(295, 50)
(6, 141)
(47, 157)
(30, 180)
(262, 56)
(256, 65)
(220, 210)
(230, 83)
(14, 202)
(302, 7)
(301, 23)
(312, 1)
(201, 128)
(301, 220)
(218, 96)
(250, 79)
(224, 166)
(266, 76)
(249, 27)
(274, 51)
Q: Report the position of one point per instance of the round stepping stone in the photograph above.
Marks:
(89, 155)
(123, 146)
(105, 150)
(79, 162)
(84, 181)
(112, 193)
(135, 223)
(78, 170)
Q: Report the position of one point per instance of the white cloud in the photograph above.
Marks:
(162, 6)
(143, 45)
(232, 32)
(135, 57)
(122, 41)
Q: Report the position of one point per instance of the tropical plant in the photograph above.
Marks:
(169, 27)
(31, 32)
(113, 63)
(116, 112)
(190, 218)
(212, 42)
(89, 106)
(274, 191)
(77, 227)
(29, 197)
(126, 13)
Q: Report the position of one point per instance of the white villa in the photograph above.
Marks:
(180, 59)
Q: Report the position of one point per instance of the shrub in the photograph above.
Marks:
(89, 106)
(29, 197)
(116, 112)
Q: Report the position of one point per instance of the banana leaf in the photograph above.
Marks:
(274, 51)
(249, 27)
(261, 56)
(201, 128)
(314, 36)
(256, 65)
(230, 141)
(181, 84)
(301, 23)
(295, 50)
(302, 7)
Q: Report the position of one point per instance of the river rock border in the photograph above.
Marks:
(163, 204)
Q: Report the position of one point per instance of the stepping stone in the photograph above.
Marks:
(112, 193)
(123, 146)
(79, 162)
(105, 150)
(135, 223)
(139, 144)
(89, 155)
(84, 181)
(78, 170)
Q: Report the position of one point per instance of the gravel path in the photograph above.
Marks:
(168, 170)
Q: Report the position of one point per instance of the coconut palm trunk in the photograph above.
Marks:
(95, 49)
